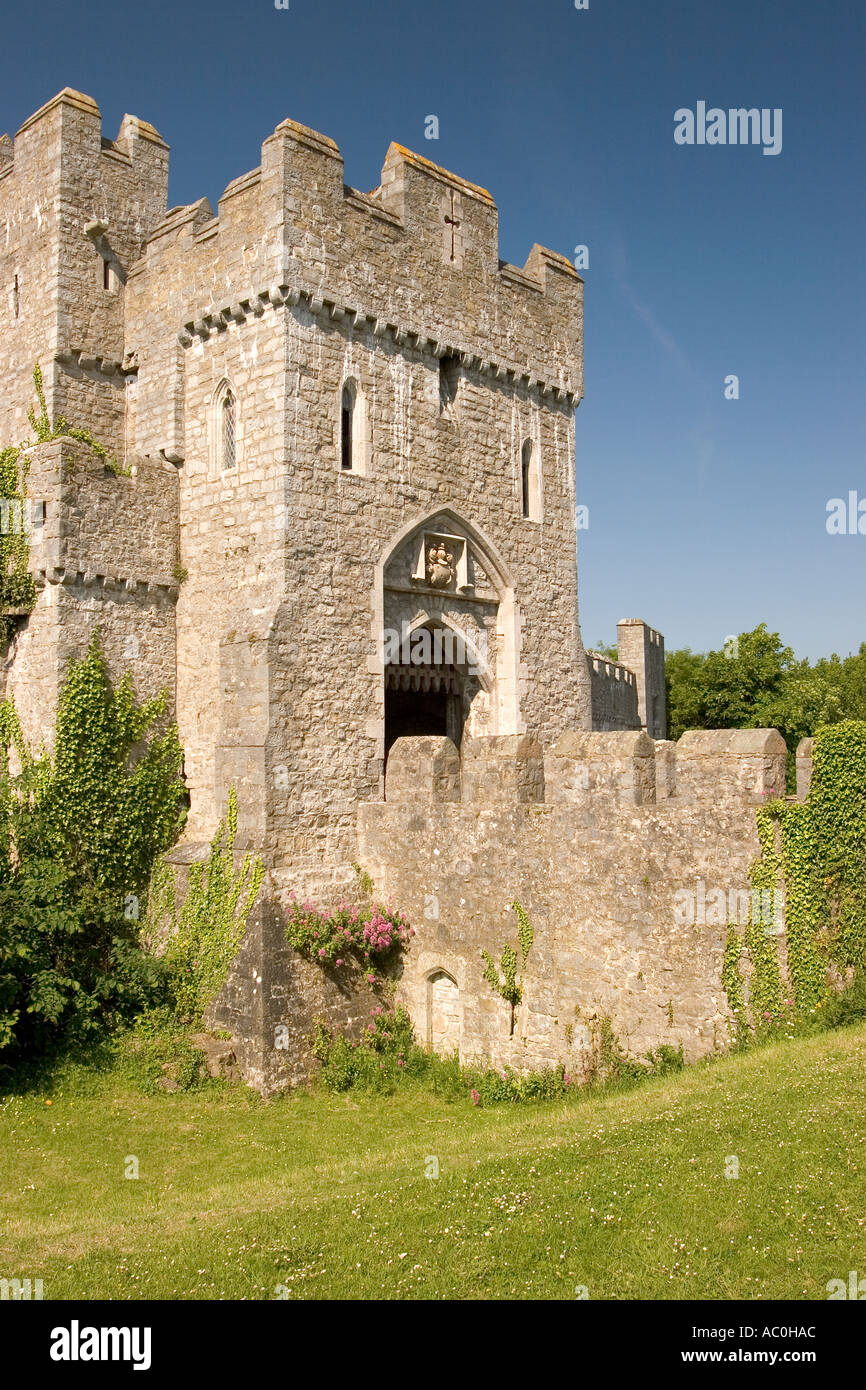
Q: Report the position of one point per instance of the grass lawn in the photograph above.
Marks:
(328, 1197)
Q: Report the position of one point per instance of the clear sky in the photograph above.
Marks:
(707, 515)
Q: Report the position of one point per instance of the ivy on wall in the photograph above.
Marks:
(206, 930)
(80, 830)
(815, 851)
(17, 589)
(509, 987)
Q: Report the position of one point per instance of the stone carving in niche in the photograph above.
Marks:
(442, 562)
(440, 566)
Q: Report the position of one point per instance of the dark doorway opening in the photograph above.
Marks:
(422, 702)
(415, 713)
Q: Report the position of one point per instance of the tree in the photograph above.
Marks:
(756, 682)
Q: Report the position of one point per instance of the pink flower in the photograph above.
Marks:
(322, 952)
(566, 1079)
(339, 962)
(476, 1099)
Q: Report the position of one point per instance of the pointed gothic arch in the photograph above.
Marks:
(225, 429)
(441, 574)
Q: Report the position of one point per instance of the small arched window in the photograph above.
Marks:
(228, 426)
(347, 426)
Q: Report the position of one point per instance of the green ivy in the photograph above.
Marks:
(732, 983)
(207, 930)
(79, 832)
(17, 588)
(816, 851)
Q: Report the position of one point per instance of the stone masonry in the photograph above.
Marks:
(341, 534)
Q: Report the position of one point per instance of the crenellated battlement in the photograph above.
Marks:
(76, 209)
(415, 261)
(609, 841)
(746, 766)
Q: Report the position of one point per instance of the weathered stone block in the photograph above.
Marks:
(581, 766)
(717, 764)
(804, 767)
(502, 768)
(423, 770)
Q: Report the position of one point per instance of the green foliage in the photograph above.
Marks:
(79, 833)
(365, 883)
(755, 682)
(386, 1058)
(815, 850)
(159, 1050)
(842, 1010)
(207, 930)
(17, 589)
(606, 649)
(509, 987)
(732, 983)
(369, 936)
(608, 1067)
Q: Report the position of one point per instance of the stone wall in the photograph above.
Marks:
(642, 649)
(298, 285)
(606, 871)
(614, 694)
(72, 203)
(102, 557)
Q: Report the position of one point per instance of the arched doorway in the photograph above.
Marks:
(443, 1014)
(451, 634)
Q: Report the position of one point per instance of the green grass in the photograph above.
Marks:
(327, 1196)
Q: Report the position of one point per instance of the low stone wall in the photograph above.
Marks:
(630, 857)
(274, 999)
(622, 888)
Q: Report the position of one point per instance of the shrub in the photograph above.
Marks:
(370, 935)
(79, 833)
(847, 1007)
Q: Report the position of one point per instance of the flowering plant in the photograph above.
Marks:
(371, 934)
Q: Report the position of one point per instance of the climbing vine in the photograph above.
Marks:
(80, 829)
(17, 589)
(732, 983)
(207, 930)
(815, 850)
(509, 987)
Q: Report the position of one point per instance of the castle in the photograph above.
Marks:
(342, 536)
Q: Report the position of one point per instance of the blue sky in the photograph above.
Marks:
(707, 515)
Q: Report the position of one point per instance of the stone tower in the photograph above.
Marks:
(76, 211)
(642, 650)
(346, 510)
